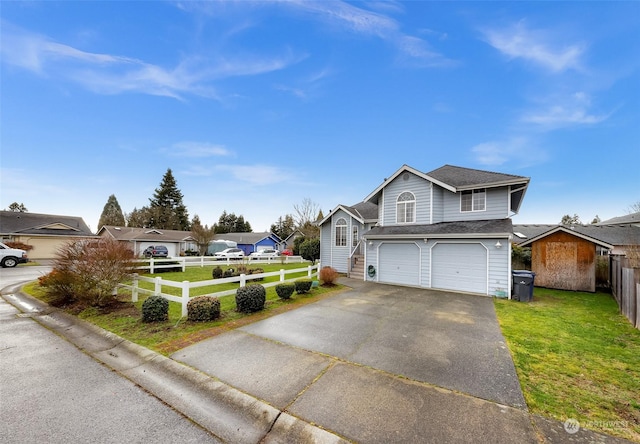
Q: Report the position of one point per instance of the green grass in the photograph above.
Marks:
(576, 357)
(125, 320)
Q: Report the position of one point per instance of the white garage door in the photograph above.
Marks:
(399, 264)
(459, 267)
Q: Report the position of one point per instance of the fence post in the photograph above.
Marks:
(157, 286)
(151, 265)
(185, 297)
(310, 271)
(201, 261)
(243, 280)
(282, 275)
(184, 264)
(134, 291)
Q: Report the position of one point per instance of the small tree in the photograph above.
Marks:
(18, 207)
(310, 249)
(570, 220)
(203, 235)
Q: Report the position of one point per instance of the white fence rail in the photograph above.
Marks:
(154, 264)
(186, 286)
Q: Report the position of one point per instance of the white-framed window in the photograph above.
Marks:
(341, 232)
(473, 200)
(354, 235)
(406, 208)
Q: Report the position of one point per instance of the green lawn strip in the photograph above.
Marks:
(166, 337)
(576, 357)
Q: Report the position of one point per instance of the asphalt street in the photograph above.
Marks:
(51, 392)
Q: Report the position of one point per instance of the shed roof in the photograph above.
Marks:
(37, 224)
(605, 235)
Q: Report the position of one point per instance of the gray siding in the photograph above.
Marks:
(497, 206)
(414, 184)
(438, 204)
(325, 244)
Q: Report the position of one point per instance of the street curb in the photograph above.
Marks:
(224, 411)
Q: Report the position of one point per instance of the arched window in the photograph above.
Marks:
(406, 208)
(341, 232)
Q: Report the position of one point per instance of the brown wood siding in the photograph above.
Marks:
(565, 262)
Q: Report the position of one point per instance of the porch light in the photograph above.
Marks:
(498, 245)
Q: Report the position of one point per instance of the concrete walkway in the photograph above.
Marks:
(364, 366)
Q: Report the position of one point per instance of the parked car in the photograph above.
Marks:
(263, 254)
(156, 251)
(287, 252)
(229, 253)
(10, 257)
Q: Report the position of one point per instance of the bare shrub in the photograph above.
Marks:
(328, 276)
(90, 270)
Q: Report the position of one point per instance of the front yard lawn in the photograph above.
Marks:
(576, 357)
(124, 318)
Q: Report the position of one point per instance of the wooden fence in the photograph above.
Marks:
(186, 286)
(625, 286)
(174, 263)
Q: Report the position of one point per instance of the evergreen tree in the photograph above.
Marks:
(283, 227)
(167, 209)
(111, 213)
(139, 218)
(230, 223)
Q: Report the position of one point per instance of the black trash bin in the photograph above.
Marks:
(522, 285)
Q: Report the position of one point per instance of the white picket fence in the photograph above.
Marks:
(186, 286)
(154, 264)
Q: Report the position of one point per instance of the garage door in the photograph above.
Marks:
(399, 264)
(459, 267)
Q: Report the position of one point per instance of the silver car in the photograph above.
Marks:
(229, 253)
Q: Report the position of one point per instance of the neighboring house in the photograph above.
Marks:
(446, 229)
(250, 242)
(177, 242)
(289, 242)
(46, 233)
(564, 257)
(632, 219)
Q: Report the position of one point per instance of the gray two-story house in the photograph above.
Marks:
(446, 229)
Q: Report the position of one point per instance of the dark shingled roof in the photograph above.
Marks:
(633, 218)
(609, 234)
(465, 177)
(16, 223)
(475, 227)
(367, 210)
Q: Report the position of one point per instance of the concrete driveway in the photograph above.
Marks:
(379, 363)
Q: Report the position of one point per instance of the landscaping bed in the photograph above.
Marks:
(576, 358)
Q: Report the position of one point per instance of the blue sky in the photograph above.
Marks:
(257, 106)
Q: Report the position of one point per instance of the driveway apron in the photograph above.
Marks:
(378, 351)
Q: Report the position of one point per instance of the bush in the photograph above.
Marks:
(256, 271)
(328, 275)
(217, 272)
(155, 309)
(250, 298)
(303, 285)
(203, 308)
(229, 272)
(285, 291)
(59, 287)
(310, 249)
(88, 271)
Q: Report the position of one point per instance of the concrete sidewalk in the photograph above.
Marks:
(305, 397)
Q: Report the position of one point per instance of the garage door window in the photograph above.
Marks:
(406, 208)
(341, 233)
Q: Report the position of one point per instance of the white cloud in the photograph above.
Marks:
(197, 149)
(537, 46)
(514, 150)
(114, 74)
(564, 111)
(257, 174)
